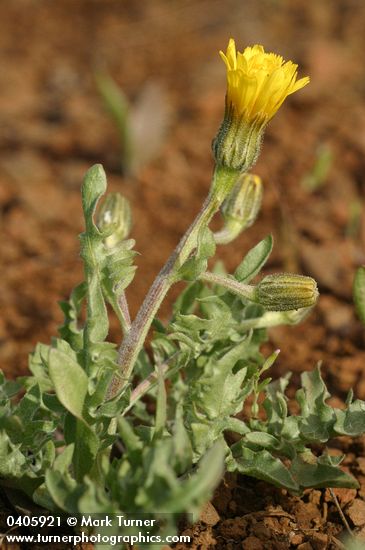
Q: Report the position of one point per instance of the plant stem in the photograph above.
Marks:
(228, 233)
(123, 304)
(151, 380)
(342, 515)
(223, 181)
(224, 236)
(147, 383)
(240, 289)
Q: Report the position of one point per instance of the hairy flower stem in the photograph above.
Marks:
(244, 291)
(222, 184)
(226, 235)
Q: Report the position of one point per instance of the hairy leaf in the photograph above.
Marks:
(318, 418)
(352, 420)
(317, 475)
(359, 293)
(70, 381)
(194, 266)
(254, 260)
(262, 465)
(86, 445)
(70, 331)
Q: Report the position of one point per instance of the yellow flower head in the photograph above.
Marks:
(258, 82)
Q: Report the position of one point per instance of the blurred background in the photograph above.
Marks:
(56, 58)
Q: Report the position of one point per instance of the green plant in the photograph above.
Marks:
(141, 126)
(359, 293)
(76, 435)
(318, 175)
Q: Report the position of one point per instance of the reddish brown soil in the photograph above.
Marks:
(53, 127)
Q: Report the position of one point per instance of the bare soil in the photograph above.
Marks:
(54, 126)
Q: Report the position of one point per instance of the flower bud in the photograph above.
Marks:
(241, 207)
(286, 291)
(237, 144)
(244, 202)
(114, 219)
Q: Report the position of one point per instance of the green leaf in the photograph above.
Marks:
(352, 420)
(318, 418)
(235, 425)
(196, 334)
(330, 460)
(204, 434)
(182, 446)
(186, 301)
(143, 367)
(70, 381)
(264, 440)
(97, 324)
(262, 465)
(359, 293)
(92, 253)
(26, 426)
(199, 488)
(114, 407)
(130, 439)
(64, 459)
(48, 453)
(64, 490)
(217, 389)
(117, 105)
(161, 405)
(52, 403)
(86, 445)
(70, 330)
(105, 357)
(269, 361)
(275, 404)
(317, 475)
(193, 267)
(38, 366)
(94, 500)
(8, 388)
(206, 243)
(29, 404)
(93, 187)
(117, 272)
(12, 461)
(219, 392)
(119, 263)
(254, 260)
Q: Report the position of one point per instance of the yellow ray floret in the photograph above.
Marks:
(259, 82)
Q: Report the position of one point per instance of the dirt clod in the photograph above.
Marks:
(252, 543)
(356, 512)
(361, 464)
(296, 539)
(209, 515)
(319, 541)
(344, 495)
